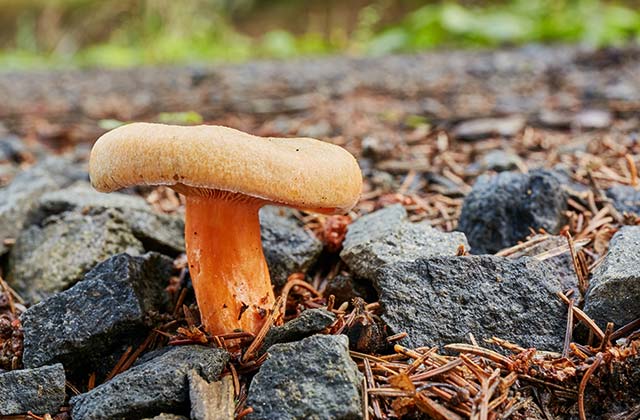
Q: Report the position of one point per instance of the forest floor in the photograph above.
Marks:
(424, 128)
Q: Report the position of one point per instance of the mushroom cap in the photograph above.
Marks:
(298, 172)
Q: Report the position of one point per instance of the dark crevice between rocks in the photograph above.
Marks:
(345, 287)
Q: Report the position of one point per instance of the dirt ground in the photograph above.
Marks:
(349, 94)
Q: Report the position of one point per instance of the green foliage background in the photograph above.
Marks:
(116, 33)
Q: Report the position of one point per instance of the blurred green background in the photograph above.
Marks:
(117, 33)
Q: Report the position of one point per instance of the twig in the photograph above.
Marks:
(72, 388)
(489, 354)
(436, 371)
(365, 398)
(259, 340)
(7, 291)
(92, 381)
(582, 280)
(583, 385)
(330, 302)
(244, 413)
(127, 364)
(607, 336)
(434, 409)
(517, 248)
(396, 337)
(568, 332)
(294, 280)
(119, 364)
(180, 301)
(420, 360)
(370, 382)
(236, 380)
(236, 335)
(547, 384)
(583, 317)
(633, 171)
(626, 329)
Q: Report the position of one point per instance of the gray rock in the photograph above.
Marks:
(488, 127)
(614, 290)
(7, 172)
(593, 119)
(39, 390)
(82, 197)
(625, 198)
(158, 232)
(20, 196)
(500, 210)
(311, 321)
(500, 161)
(560, 264)
(16, 200)
(386, 236)
(288, 247)
(382, 180)
(439, 301)
(80, 326)
(157, 386)
(557, 119)
(63, 170)
(319, 130)
(314, 378)
(53, 257)
(12, 149)
(211, 401)
(563, 269)
(375, 148)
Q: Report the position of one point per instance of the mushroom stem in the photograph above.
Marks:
(227, 266)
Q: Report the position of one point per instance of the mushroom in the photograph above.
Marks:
(226, 176)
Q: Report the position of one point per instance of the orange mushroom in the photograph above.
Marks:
(226, 176)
